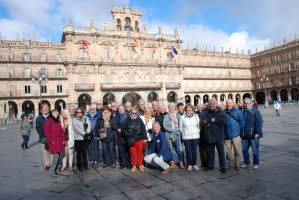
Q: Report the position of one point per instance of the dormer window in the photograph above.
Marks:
(136, 26)
(118, 25)
(127, 24)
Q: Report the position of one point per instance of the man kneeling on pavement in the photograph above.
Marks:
(158, 151)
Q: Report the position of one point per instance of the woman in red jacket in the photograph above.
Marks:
(55, 136)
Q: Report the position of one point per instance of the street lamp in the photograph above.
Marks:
(265, 78)
(40, 78)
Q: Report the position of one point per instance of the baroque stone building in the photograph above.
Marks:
(126, 63)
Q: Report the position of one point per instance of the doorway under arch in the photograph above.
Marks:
(27, 107)
(284, 95)
(131, 97)
(172, 97)
(60, 105)
(108, 98)
(260, 97)
(84, 100)
(153, 96)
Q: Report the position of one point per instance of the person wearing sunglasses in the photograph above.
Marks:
(135, 133)
(81, 126)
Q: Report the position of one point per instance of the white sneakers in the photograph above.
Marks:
(255, 167)
(195, 167)
(243, 166)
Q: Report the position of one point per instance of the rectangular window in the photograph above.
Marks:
(27, 72)
(44, 88)
(59, 88)
(108, 79)
(27, 89)
(43, 57)
(83, 79)
(42, 71)
(59, 72)
(59, 57)
(26, 57)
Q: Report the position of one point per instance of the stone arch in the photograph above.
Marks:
(260, 97)
(42, 102)
(196, 100)
(152, 96)
(131, 97)
(27, 107)
(108, 98)
(222, 98)
(246, 95)
(172, 97)
(187, 99)
(230, 96)
(84, 100)
(295, 94)
(215, 96)
(12, 109)
(273, 95)
(205, 98)
(284, 95)
(60, 105)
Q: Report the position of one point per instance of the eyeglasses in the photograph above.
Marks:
(78, 112)
(99, 104)
(133, 113)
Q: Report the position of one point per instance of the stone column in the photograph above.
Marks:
(182, 82)
(163, 87)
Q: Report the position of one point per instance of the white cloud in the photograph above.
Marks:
(203, 36)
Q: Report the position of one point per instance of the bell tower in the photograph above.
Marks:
(126, 19)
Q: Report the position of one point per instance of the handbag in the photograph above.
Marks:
(102, 133)
(86, 136)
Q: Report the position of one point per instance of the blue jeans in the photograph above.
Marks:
(255, 144)
(211, 154)
(191, 151)
(25, 140)
(109, 152)
(93, 150)
(178, 147)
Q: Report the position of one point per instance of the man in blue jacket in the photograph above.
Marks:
(251, 133)
(40, 121)
(158, 151)
(232, 134)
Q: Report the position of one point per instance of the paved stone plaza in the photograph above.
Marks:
(22, 174)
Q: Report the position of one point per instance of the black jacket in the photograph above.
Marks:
(40, 121)
(159, 117)
(134, 129)
(213, 131)
(115, 125)
(109, 130)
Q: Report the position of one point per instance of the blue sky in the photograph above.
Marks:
(232, 24)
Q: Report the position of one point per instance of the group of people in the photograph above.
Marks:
(150, 136)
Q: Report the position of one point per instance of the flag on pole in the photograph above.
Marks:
(174, 51)
(84, 43)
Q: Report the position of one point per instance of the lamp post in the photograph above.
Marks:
(265, 78)
(40, 78)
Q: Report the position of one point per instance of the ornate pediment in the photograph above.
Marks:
(129, 45)
(106, 44)
(151, 46)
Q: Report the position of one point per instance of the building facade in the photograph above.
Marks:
(125, 63)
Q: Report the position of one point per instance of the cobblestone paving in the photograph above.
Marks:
(22, 175)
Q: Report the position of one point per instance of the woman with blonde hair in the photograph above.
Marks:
(67, 125)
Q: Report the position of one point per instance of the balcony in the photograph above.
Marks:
(218, 89)
(129, 86)
(23, 76)
(172, 85)
(20, 94)
(217, 76)
(84, 87)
